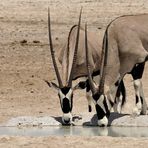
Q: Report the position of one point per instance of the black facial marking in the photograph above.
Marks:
(100, 112)
(96, 73)
(96, 96)
(65, 90)
(66, 106)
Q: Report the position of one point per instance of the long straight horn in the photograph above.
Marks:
(103, 62)
(75, 52)
(52, 52)
(92, 86)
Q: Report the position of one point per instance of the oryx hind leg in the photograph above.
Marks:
(120, 97)
(141, 106)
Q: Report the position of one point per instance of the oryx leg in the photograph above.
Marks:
(120, 97)
(84, 83)
(141, 106)
(88, 96)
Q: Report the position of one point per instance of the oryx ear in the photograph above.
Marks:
(52, 84)
(80, 85)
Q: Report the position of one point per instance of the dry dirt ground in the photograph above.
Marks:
(25, 62)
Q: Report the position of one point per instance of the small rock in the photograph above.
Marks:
(32, 76)
(31, 91)
(23, 41)
(56, 38)
(35, 41)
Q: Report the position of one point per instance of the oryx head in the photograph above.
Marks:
(65, 92)
(102, 104)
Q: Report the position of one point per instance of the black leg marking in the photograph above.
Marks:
(87, 90)
(87, 86)
(141, 99)
(120, 96)
(89, 108)
(121, 91)
(137, 99)
(137, 73)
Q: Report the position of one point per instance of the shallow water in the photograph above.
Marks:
(76, 131)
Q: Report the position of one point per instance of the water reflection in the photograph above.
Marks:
(76, 131)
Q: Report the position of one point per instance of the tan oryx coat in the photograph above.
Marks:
(127, 46)
(94, 44)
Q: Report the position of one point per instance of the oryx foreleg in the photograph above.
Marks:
(88, 96)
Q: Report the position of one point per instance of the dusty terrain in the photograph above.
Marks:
(25, 62)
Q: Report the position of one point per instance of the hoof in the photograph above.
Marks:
(136, 112)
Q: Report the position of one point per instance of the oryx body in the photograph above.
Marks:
(125, 50)
(66, 54)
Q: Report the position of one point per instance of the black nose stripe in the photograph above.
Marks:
(96, 96)
(100, 112)
(66, 106)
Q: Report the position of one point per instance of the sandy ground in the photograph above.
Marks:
(25, 62)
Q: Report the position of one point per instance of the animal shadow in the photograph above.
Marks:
(94, 119)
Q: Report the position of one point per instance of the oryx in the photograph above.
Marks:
(65, 90)
(72, 58)
(124, 50)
